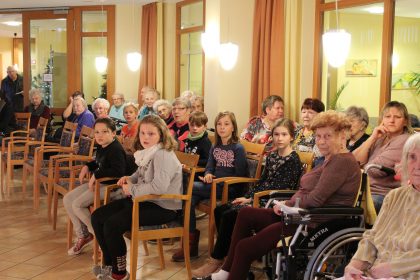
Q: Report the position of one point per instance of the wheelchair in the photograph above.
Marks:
(324, 251)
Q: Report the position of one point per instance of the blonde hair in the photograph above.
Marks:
(168, 142)
(336, 120)
(234, 138)
(413, 142)
(403, 110)
(131, 104)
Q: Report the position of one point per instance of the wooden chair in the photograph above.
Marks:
(306, 158)
(16, 153)
(255, 155)
(36, 164)
(170, 230)
(84, 147)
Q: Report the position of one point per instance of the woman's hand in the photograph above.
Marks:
(92, 183)
(123, 180)
(241, 200)
(277, 209)
(126, 189)
(82, 174)
(382, 270)
(208, 178)
(354, 270)
(379, 131)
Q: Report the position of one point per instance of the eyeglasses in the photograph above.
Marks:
(178, 108)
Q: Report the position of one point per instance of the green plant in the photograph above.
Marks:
(333, 104)
(414, 81)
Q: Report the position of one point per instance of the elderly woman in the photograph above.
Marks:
(359, 120)
(384, 147)
(197, 103)
(181, 108)
(37, 108)
(258, 129)
(83, 115)
(335, 182)
(392, 248)
(117, 108)
(163, 108)
(100, 106)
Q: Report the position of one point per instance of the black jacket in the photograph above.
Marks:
(10, 88)
(200, 147)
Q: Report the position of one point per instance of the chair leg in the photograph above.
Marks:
(134, 243)
(24, 178)
(95, 251)
(146, 249)
(186, 240)
(161, 256)
(3, 173)
(36, 191)
(55, 200)
(49, 198)
(69, 233)
(211, 232)
(9, 181)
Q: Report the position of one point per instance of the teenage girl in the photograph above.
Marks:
(129, 131)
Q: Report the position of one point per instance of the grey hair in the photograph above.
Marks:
(187, 94)
(161, 102)
(359, 113)
(182, 101)
(35, 91)
(152, 91)
(269, 102)
(81, 99)
(120, 95)
(198, 98)
(413, 142)
(101, 100)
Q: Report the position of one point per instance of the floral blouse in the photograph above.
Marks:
(304, 143)
(259, 132)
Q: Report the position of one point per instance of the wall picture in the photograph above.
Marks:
(361, 67)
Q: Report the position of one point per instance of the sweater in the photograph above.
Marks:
(394, 238)
(387, 155)
(335, 182)
(180, 133)
(162, 175)
(227, 161)
(85, 118)
(200, 147)
(109, 161)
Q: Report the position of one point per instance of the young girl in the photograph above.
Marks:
(282, 171)
(227, 158)
(129, 131)
(159, 172)
(109, 162)
(149, 97)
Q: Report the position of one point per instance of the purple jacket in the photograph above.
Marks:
(85, 118)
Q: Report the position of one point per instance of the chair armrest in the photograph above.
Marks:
(108, 190)
(97, 197)
(283, 194)
(147, 197)
(19, 131)
(258, 195)
(333, 210)
(200, 169)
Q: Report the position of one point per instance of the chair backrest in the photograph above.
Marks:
(86, 141)
(22, 121)
(364, 200)
(255, 156)
(190, 160)
(41, 129)
(69, 132)
(211, 137)
(306, 158)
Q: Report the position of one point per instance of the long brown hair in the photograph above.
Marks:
(168, 142)
(234, 138)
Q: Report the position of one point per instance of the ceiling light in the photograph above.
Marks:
(228, 55)
(375, 10)
(134, 61)
(101, 63)
(13, 23)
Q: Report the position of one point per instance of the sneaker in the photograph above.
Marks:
(211, 266)
(101, 270)
(80, 244)
(109, 277)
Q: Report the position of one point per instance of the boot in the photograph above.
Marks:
(194, 239)
(211, 266)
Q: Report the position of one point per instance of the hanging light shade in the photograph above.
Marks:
(210, 43)
(228, 55)
(134, 61)
(336, 45)
(101, 63)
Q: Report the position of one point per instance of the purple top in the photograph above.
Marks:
(85, 118)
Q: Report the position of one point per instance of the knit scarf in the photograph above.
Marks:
(38, 111)
(193, 138)
(143, 157)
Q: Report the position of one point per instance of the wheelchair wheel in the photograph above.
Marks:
(333, 254)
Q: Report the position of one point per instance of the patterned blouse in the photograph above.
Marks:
(259, 132)
(279, 173)
(304, 143)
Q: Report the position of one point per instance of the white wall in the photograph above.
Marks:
(307, 49)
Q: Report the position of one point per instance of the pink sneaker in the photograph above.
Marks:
(80, 243)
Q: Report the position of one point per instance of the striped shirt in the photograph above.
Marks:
(395, 236)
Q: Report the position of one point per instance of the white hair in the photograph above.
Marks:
(81, 99)
(413, 142)
(161, 102)
(35, 91)
(101, 100)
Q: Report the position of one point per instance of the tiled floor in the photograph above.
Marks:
(30, 249)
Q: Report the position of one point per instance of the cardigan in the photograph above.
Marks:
(394, 238)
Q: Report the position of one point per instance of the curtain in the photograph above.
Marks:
(148, 47)
(292, 73)
(267, 53)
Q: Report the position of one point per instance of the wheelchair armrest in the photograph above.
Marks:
(283, 194)
(333, 210)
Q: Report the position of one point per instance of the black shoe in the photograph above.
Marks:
(208, 277)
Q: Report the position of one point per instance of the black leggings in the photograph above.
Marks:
(112, 220)
(225, 218)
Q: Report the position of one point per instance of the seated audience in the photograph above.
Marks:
(359, 120)
(181, 108)
(304, 135)
(7, 117)
(143, 90)
(68, 114)
(384, 147)
(334, 182)
(392, 248)
(258, 129)
(109, 162)
(197, 103)
(100, 107)
(159, 172)
(149, 97)
(227, 158)
(197, 141)
(130, 130)
(163, 108)
(37, 108)
(282, 171)
(117, 109)
(82, 116)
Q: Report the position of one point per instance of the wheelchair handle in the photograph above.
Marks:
(387, 170)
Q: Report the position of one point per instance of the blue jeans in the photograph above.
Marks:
(378, 199)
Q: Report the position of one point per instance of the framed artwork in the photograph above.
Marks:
(361, 67)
